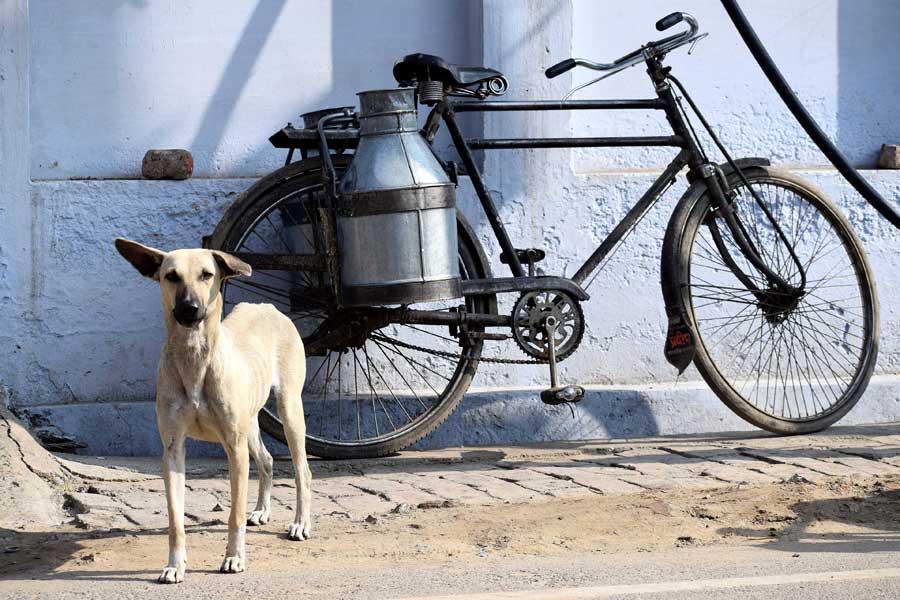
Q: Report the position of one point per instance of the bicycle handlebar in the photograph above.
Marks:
(663, 45)
(669, 20)
(561, 67)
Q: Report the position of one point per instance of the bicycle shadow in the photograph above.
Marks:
(870, 521)
(503, 417)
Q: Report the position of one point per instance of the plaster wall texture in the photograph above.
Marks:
(81, 331)
(113, 78)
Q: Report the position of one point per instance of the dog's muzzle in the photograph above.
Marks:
(189, 313)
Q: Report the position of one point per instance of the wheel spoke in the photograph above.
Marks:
(391, 389)
(793, 360)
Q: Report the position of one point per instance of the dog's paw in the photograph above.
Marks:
(232, 564)
(258, 517)
(171, 575)
(299, 531)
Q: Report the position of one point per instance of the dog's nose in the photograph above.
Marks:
(190, 308)
(188, 311)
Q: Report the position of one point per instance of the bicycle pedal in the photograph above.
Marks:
(563, 394)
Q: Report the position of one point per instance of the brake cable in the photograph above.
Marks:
(800, 113)
(737, 224)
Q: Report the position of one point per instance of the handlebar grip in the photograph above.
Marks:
(560, 68)
(669, 20)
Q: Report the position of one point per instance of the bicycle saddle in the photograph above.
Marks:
(425, 67)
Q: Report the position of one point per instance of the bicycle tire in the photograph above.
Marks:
(811, 366)
(258, 201)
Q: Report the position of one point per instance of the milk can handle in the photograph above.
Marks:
(325, 153)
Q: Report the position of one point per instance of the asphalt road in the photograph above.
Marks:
(842, 569)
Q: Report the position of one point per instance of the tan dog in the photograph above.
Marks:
(214, 376)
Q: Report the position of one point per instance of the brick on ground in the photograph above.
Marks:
(106, 519)
(148, 519)
(731, 457)
(525, 477)
(284, 494)
(590, 477)
(359, 507)
(889, 455)
(858, 463)
(333, 487)
(96, 501)
(657, 464)
(433, 483)
(395, 491)
(321, 505)
(137, 497)
(881, 440)
(215, 485)
(708, 466)
(200, 500)
(492, 486)
(797, 459)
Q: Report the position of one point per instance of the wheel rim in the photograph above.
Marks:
(793, 361)
(381, 387)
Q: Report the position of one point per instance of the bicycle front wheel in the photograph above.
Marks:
(784, 364)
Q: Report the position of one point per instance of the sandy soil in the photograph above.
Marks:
(598, 524)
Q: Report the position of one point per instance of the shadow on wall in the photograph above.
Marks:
(868, 79)
(518, 416)
(240, 65)
(367, 39)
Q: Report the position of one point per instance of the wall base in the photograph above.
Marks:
(488, 417)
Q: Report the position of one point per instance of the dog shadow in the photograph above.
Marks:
(50, 555)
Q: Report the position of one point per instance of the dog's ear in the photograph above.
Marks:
(145, 259)
(230, 266)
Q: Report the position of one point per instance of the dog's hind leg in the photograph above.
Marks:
(260, 515)
(290, 409)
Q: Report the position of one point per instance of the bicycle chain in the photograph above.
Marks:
(451, 355)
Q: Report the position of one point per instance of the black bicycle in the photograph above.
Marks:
(767, 288)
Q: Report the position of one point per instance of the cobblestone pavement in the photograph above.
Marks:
(127, 493)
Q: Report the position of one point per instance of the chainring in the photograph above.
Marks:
(529, 314)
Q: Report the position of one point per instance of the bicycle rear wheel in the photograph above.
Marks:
(785, 365)
(383, 388)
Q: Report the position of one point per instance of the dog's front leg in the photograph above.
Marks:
(173, 475)
(239, 472)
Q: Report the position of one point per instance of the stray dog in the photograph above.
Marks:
(214, 376)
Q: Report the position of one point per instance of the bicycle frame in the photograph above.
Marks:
(690, 156)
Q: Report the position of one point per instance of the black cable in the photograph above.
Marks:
(803, 117)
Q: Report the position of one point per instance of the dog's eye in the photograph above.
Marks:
(205, 276)
(173, 277)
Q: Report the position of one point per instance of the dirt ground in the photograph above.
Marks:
(644, 522)
(425, 523)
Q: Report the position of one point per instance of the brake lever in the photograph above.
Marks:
(695, 41)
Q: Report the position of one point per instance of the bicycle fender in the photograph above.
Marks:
(680, 342)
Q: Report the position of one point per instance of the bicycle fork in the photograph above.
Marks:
(722, 204)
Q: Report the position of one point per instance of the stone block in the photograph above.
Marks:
(890, 157)
(167, 164)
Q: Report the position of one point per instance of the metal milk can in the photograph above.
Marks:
(396, 215)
